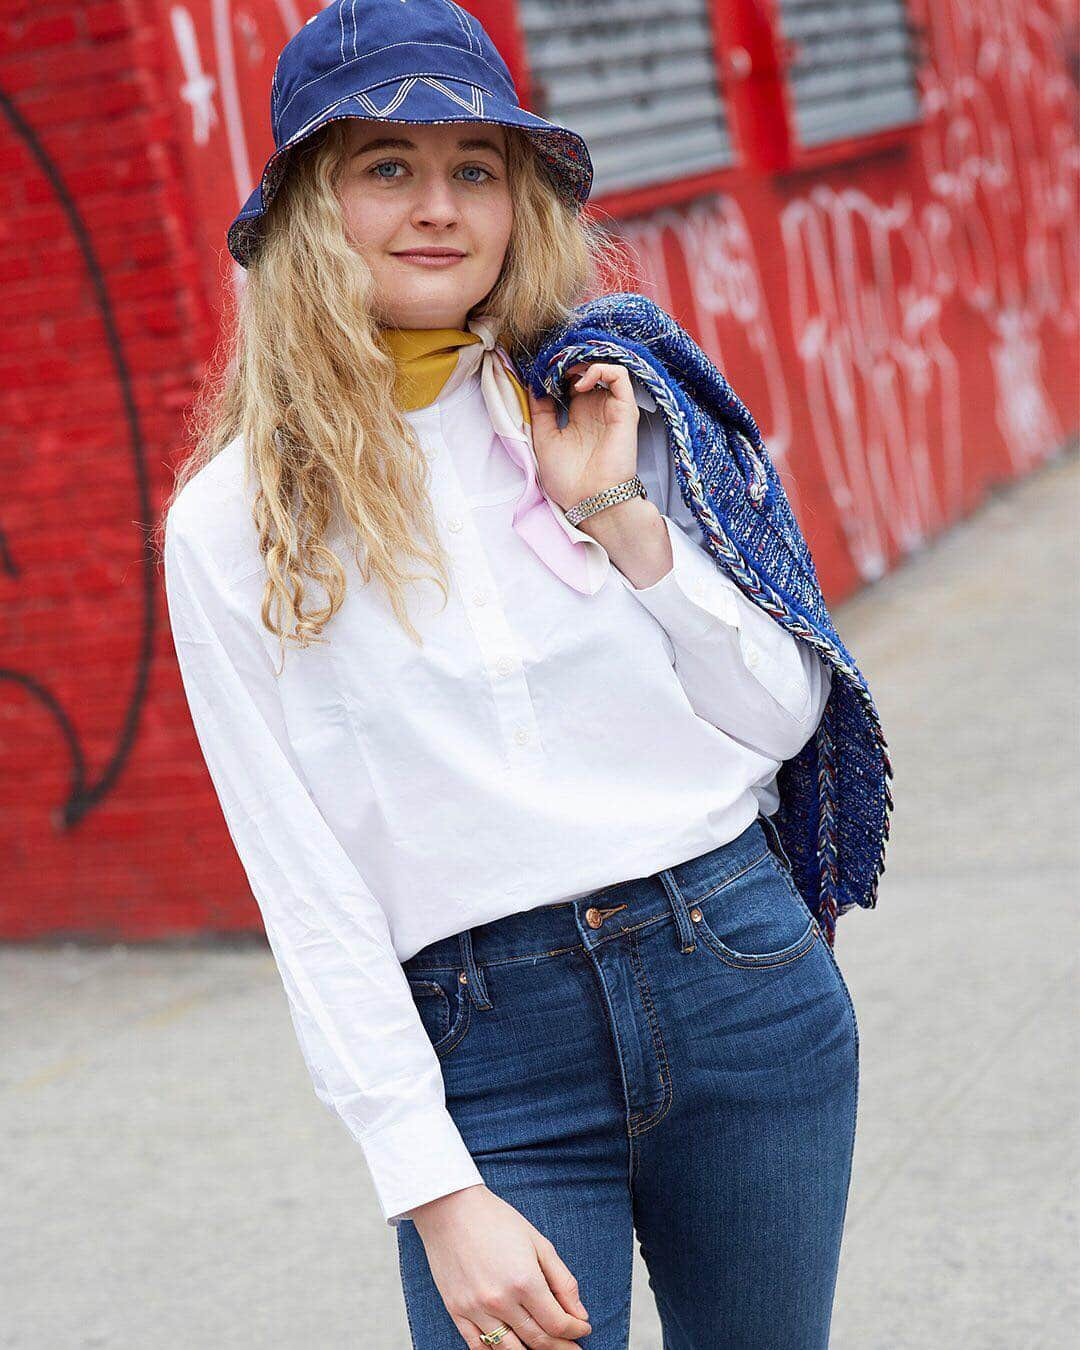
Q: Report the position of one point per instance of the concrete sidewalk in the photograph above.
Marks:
(171, 1181)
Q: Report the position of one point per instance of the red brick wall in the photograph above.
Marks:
(104, 325)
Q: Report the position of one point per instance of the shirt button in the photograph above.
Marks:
(752, 656)
(479, 597)
(699, 589)
(521, 735)
(505, 666)
(455, 523)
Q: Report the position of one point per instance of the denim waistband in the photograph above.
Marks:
(596, 917)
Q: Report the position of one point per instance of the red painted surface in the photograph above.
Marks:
(899, 312)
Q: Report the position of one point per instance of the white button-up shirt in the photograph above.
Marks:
(542, 744)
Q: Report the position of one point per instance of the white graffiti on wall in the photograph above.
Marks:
(1001, 155)
(868, 282)
(200, 90)
(198, 87)
(866, 331)
(865, 312)
(713, 240)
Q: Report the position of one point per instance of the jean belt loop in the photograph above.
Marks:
(475, 986)
(684, 925)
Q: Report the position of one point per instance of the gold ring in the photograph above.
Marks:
(494, 1337)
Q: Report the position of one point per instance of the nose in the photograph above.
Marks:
(435, 203)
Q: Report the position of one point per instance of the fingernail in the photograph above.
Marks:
(581, 1309)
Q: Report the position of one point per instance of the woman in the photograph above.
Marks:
(543, 955)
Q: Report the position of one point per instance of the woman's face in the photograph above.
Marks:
(408, 186)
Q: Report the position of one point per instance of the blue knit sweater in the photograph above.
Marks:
(833, 817)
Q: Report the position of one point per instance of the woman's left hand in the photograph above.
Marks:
(598, 446)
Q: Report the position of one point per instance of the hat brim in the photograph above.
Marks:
(421, 99)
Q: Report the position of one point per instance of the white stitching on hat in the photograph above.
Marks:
(389, 47)
(399, 98)
(275, 91)
(341, 25)
(354, 27)
(470, 19)
(460, 22)
(477, 105)
(362, 95)
(474, 105)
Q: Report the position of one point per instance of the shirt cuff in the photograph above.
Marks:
(417, 1159)
(692, 595)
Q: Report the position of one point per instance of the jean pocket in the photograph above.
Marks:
(443, 1003)
(756, 920)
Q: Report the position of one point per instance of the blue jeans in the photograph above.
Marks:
(676, 1056)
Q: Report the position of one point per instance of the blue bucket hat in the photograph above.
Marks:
(397, 61)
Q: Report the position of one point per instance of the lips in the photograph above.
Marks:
(430, 253)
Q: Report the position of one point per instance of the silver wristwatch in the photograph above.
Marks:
(609, 496)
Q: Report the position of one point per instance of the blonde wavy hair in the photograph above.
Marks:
(302, 375)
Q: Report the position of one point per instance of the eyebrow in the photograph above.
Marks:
(399, 143)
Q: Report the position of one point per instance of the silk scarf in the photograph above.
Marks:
(433, 362)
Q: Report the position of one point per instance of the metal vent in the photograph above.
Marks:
(637, 79)
(854, 71)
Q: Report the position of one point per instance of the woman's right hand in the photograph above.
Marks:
(491, 1266)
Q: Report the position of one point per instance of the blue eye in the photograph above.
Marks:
(481, 168)
(391, 163)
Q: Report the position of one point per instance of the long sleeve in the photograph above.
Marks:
(740, 669)
(359, 1031)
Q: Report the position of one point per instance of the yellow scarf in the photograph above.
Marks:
(426, 358)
